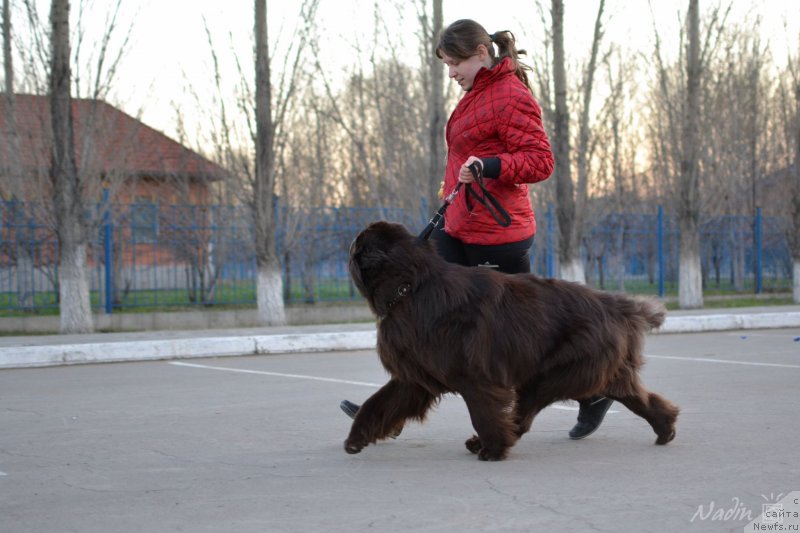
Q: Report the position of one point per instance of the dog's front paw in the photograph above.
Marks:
(491, 455)
(473, 444)
(353, 446)
(666, 437)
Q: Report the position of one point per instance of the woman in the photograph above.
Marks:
(498, 125)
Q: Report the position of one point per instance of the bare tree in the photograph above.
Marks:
(568, 249)
(793, 173)
(365, 177)
(795, 188)
(254, 131)
(11, 167)
(269, 284)
(8, 62)
(617, 141)
(690, 282)
(71, 184)
(733, 159)
(76, 312)
(434, 83)
(571, 198)
(680, 151)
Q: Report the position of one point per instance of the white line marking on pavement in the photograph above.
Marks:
(3, 474)
(278, 374)
(723, 361)
(315, 378)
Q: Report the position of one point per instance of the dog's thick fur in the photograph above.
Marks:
(510, 345)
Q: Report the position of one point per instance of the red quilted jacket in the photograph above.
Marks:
(497, 118)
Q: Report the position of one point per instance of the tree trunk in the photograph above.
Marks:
(73, 291)
(76, 315)
(796, 280)
(7, 58)
(437, 154)
(14, 169)
(570, 264)
(690, 281)
(690, 285)
(269, 283)
(794, 178)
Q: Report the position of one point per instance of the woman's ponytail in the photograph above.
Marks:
(507, 47)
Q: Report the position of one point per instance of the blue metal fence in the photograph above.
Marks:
(159, 256)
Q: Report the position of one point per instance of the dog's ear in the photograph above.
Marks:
(365, 250)
(370, 258)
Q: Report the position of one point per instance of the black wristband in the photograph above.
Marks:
(491, 167)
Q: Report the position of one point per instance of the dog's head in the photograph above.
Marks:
(383, 257)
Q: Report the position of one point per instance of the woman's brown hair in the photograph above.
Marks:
(460, 40)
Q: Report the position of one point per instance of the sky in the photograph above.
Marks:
(168, 49)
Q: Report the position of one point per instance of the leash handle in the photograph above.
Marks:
(499, 214)
(476, 167)
(494, 207)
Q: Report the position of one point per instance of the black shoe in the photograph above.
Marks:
(590, 416)
(349, 408)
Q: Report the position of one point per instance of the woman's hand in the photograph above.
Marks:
(465, 174)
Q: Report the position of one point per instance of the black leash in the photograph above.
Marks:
(426, 233)
(495, 209)
(499, 214)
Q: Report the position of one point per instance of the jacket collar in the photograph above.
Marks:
(487, 76)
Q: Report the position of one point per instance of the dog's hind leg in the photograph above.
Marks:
(489, 410)
(386, 411)
(531, 399)
(659, 412)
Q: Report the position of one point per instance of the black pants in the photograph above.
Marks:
(511, 258)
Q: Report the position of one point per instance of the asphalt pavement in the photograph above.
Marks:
(254, 444)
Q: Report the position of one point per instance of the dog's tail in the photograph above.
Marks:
(652, 310)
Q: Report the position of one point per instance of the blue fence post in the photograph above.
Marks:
(107, 254)
(758, 251)
(550, 245)
(661, 251)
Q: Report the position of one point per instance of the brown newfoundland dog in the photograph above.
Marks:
(510, 345)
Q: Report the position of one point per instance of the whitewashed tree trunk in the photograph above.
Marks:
(796, 282)
(690, 279)
(76, 310)
(269, 294)
(573, 271)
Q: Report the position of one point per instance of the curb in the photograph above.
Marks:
(226, 346)
(698, 323)
(147, 350)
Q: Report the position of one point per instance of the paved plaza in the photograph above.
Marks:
(254, 443)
